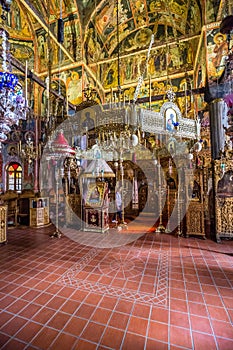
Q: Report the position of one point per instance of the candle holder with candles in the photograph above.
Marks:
(160, 228)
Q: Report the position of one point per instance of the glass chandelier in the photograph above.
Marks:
(13, 106)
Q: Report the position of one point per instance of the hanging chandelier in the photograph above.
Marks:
(13, 106)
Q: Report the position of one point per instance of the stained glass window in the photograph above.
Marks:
(14, 177)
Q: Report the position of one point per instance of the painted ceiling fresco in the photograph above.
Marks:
(93, 40)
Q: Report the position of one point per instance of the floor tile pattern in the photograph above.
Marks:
(158, 292)
(122, 266)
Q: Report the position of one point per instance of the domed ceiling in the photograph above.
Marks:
(97, 32)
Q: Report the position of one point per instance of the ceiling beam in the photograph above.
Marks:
(33, 11)
(17, 64)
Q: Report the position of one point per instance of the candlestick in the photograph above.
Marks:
(168, 211)
(150, 92)
(26, 83)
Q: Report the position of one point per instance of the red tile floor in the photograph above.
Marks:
(158, 292)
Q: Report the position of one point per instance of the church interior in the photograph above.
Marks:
(116, 174)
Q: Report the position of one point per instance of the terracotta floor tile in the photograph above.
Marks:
(85, 345)
(195, 297)
(222, 329)
(4, 318)
(79, 295)
(108, 302)
(132, 341)
(93, 332)
(85, 311)
(200, 324)
(14, 344)
(13, 326)
(132, 285)
(43, 315)
(3, 339)
(194, 287)
(63, 342)
(225, 292)
(18, 292)
(180, 337)
(228, 302)
(17, 306)
(124, 306)
(158, 331)
(203, 341)
(101, 315)
(179, 319)
(5, 302)
(28, 331)
(119, 320)
(137, 325)
(75, 326)
(208, 289)
(177, 293)
(56, 302)
(59, 320)
(213, 300)
(43, 298)
(70, 306)
(9, 287)
(116, 322)
(152, 344)
(218, 313)
(159, 314)
(54, 289)
(30, 310)
(141, 310)
(224, 344)
(178, 305)
(31, 295)
(93, 299)
(31, 283)
(197, 309)
(112, 338)
(44, 338)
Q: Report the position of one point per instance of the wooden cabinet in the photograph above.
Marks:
(3, 223)
(39, 211)
(195, 215)
(224, 198)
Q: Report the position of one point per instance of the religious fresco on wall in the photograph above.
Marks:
(74, 86)
(54, 7)
(23, 51)
(133, 66)
(216, 10)
(73, 83)
(17, 24)
(42, 49)
(72, 38)
(217, 51)
(200, 76)
(137, 21)
(72, 43)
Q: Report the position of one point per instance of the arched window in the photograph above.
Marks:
(14, 177)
